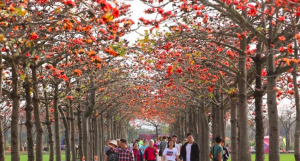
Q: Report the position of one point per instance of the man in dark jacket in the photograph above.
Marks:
(190, 150)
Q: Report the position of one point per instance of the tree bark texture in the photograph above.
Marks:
(2, 143)
(203, 137)
(72, 124)
(15, 143)
(36, 112)
(234, 128)
(28, 123)
(57, 123)
(48, 123)
(297, 103)
(67, 133)
(80, 133)
(259, 123)
(244, 153)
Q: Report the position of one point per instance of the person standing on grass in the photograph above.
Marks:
(216, 151)
(170, 153)
(190, 150)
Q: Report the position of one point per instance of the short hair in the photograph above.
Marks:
(174, 136)
(151, 140)
(189, 134)
(218, 139)
(164, 137)
(123, 140)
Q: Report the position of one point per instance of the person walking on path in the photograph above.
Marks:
(110, 154)
(138, 156)
(150, 152)
(106, 145)
(190, 150)
(216, 151)
(170, 153)
(174, 138)
(140, 142)
(225, 151)
(162, 146)
(144, 146)
(125, 153)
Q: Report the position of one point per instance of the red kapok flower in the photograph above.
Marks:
(281, 49)
(281, 38)
(77, 72)
(70, 3)
(116, 13)
(290, 48)
(33, 36)
(69, 97)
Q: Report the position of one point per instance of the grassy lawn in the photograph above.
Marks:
(24, 157)
(283, 157)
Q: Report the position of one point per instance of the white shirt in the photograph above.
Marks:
(188, 149)
(170, 154)
(177, 147)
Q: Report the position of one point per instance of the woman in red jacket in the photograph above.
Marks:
(150, 152)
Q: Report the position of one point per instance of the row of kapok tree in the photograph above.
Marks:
(58, 66)
(232, 50)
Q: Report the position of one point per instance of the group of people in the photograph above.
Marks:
(166, 149)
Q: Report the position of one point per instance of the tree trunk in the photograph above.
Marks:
(217, 118)
(67, 133)
(80, 133)
(2, 147)
(297, 102)
(108, 126)
(28, 123)
(2, 142)
(102, 137)
(203, 137)
(234, 129)
(272, 109)
(86, 137)
(21, 130)
(244, 154)
(37, 120)
(48, 123)
(73, 149)
(15, 144)
(57, 122)
(97, 138)
(288, 140)
(259, 123)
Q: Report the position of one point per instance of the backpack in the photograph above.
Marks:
(113, 157)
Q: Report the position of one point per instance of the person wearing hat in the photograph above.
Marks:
(110, 153)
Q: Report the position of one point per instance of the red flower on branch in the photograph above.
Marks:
(33, 36)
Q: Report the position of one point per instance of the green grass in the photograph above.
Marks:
(283, 157)
(24, 157)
